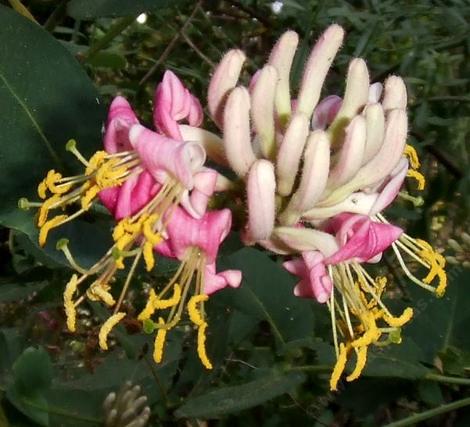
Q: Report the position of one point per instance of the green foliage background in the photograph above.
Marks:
(272, 351)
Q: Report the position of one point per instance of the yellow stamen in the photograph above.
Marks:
(159, 342)
(149, 257)
(360, 364)
(89, 196)
(339, 367)
(161, 304)
(412, 155)
(108, 175)
(201, 346)
(419, 177)
(48, 226)
(52, 179)
(437, 266)
(69, 305)
(149, 308)
(42, 188)
(194, 314)
(372, 333)
(95, 162)
(149, 234)
(110, 323)
(44, 210)
(396, 322)
(100, 292)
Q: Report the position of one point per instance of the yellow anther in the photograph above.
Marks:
(149, 234)
(45, 207)
(437, 264)
(149, 257)
(396, 322)
(194, 314)
(119, 230)
(100, 292)
(149, 308)
(372, 333)
(48, 226)
(161, 304)
(339, 367)
(124, 241)
(360, 364)
(419, 177)
(89, 196)
(52, 179)
(412, 155)
(159, 342)
(69, 305)
(201, 346)
(42, 188)
(95, 162)
(110, 323)
(108, 175)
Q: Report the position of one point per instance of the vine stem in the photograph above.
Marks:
(413, 419)
(448, 380)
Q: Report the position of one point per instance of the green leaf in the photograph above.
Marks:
(32, 376)
(17, 291)
(89, 9)
(267, 293)
(227, 400)
(45, 99)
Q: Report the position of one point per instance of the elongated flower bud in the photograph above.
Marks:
(223, 80)
(351, 154)
(394, 94)
(237, 137)
(375, 92)
(317, 67)
(261, 187)
(307, 239)
(262, 109)
(281, 58)
(290, 152)
(213, 145)
(375, 128)
(356, 96)
(313, 180)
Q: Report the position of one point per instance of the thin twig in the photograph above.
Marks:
(196, 49)
(170, 45)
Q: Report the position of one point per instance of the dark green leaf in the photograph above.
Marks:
(228, 400)
(33, 370)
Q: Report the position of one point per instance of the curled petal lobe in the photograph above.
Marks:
(214, 282)
(172, 103)
(307, 239)
(121, 117)
(206, 233)
(195, 202)
(213, 145)
(162, 156)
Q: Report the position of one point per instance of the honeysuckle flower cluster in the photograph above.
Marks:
(316, 174)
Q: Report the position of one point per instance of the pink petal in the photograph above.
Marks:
(195, 202)
(214, 282)
(120, 118)
(162, 155)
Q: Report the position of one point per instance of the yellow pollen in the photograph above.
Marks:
(419, 177)
(149, 308)
(44, 210)
(339, 367)
(412, 155)
(69, 305)
(48, 226)
(201, 346)
(110, 323)
(95, 162)
(89, 196)
(100, 292)
(159, 342)
(124, 241)
(161, 304)
(194, 314)
(52, 179)
(149, 234)
(42, 188)
(119, 230)
(107, 176)
(437, 266)
(396, 322)
(372, 333)
(149, 257)
(360, 364)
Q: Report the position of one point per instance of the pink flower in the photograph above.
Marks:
(172, 103)
(360, 240)
(190, 238)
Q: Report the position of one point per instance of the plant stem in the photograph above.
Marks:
(115, 30)
(447, 380)
(413, 419)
